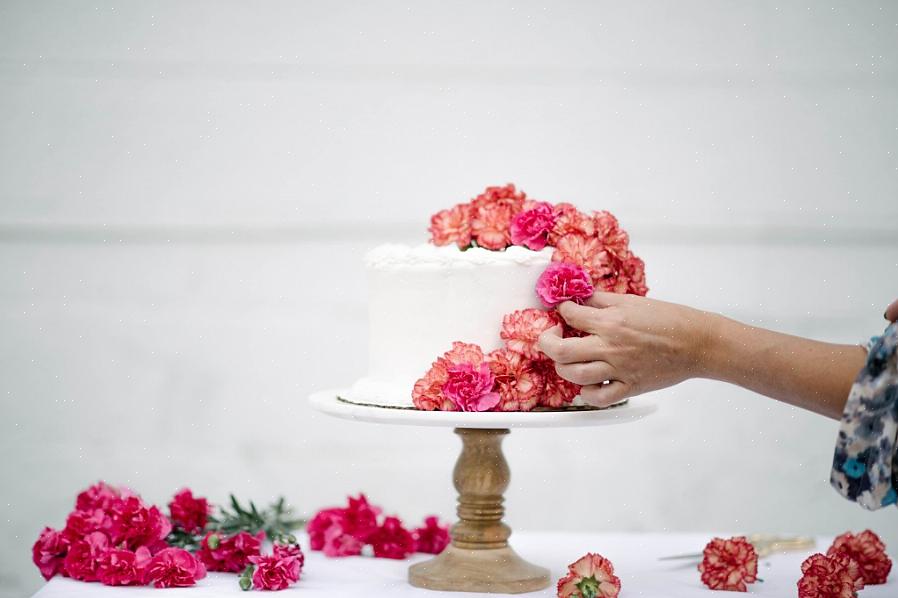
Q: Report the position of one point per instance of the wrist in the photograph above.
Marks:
(710, 352)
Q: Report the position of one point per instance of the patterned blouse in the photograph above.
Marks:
(865, 464)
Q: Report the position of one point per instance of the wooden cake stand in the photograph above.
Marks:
(479, 558)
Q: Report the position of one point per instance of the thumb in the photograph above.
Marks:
(604, 299)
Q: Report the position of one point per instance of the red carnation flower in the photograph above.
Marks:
(80, 523)
(729, 564)
(188, 512)
(99, 496)
(83, 557)
(289, 550)
(135, 524)
(49, 551)
(868, 551)
(319, 524)
(392, 540)
(428, 394)
(361, 518)
(273, 572)
(173, 568)
(588, 253)
(823, 576)
(591, 576)
(123, 567)
(570, 221)
(229, 553)
(432, 538)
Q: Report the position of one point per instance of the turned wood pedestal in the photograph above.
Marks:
(479, 558)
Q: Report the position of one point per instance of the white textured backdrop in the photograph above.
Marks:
(186, 190)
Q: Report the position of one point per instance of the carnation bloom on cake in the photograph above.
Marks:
(729, 564)
(491, 214)
(586, 252)
(570, 221)
(432, 537)
(470, 387)
(825, 576)
(557, 392)
(531, 227)
(562, 282)
(173, 568)
(519, 382)
(591, 576)
(452, 226)
(521, 330)
(868, 551)
(467, 383)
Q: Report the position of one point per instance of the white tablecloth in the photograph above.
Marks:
(635, 558)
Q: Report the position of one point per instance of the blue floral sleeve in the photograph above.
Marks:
(865, 464)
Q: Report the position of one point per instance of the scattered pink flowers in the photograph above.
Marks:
(346, 531)
(590, 576)
(115, 538)
(729, 564)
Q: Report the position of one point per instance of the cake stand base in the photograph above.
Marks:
(496, 571)
(479, 558)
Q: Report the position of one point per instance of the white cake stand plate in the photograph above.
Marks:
(479, 558)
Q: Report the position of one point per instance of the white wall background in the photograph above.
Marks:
(186, 189)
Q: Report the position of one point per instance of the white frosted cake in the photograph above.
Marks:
(423, 298)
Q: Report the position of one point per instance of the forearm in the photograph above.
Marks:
(809, 374)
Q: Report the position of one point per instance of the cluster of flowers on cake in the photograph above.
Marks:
(516, 377)
(851, 562)
(504, 216)
(590, 576)
(113, 537)
(346, 531)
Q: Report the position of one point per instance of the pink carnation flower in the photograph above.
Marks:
(134, 524)
(451, 226)
(633, 268)
(289, 550)
(99, 496)
(591, 576)
(82, 522)
(531, 227)
(273, 572)
(521, 330)
(123, 567)
(360, 518)
(49, 551)
(470, 387)
(729, 564)
(229, 554)
(188, 512)
(562, 282)
(586, 252)
(557, 392)
(491, 214)
(339, 541)
(570, 221)
(173, 568)
(320, 523)
(432, 537)
(607, 230)
(518, 380)
(428, 394)
(83, 557)
(392, 540)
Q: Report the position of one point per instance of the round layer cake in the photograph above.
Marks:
(423, 298)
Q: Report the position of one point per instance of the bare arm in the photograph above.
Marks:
(640, 344)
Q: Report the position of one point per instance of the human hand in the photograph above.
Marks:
(892, 311)
(635, 345)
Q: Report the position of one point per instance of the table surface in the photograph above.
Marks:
(635, 558)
